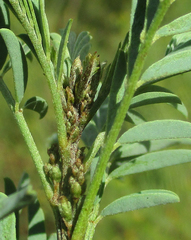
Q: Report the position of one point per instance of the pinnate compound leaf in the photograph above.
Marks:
(4, 23)
(37, 104)
(143, 199)
(171, 65)
(36, 227)
(151, 161)
(7, 224)
(179, 25)
(18, 62)
(157, 130)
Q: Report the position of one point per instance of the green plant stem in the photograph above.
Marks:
(33, 151)
(49, 73)
(82, 222)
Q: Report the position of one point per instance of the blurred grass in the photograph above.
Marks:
(107, 21)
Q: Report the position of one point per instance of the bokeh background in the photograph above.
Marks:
(108, 22)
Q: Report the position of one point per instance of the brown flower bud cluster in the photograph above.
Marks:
(80, 93)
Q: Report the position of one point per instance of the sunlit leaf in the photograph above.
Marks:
(151, 161)
(170, 65)
(143, 199)
(125, 151)
(159, 129)
(153, 97)
(179, 25)
(7, 224)
(18, 61)
(37, 104)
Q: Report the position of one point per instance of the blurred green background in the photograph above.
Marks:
(108, 22)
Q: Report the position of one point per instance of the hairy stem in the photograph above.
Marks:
(82, 222)
(33, 151)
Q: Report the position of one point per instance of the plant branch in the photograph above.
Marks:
(47, 67)
(33, 150)
(82, 222)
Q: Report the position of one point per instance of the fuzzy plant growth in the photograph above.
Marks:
(91, 101)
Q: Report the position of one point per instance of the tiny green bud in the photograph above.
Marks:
(55, 173)
(65, 208)
(47, 167)
(76, 190)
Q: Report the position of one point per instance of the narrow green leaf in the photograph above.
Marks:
(55, 43)
(16, 201)
(36, 227)
(146, 90)
(37, 104)
(18, 61)
(94, 150)
(44, 28)
(153, 97)
(63, 52)
(25, 38)
(7, 225)
(143, 199)
(4, 23)
(117, 88)
(170, 65)
(159, 129)
(7, 94)
(136, 27)
(179, 25)
(125, 151)
(151, 161)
